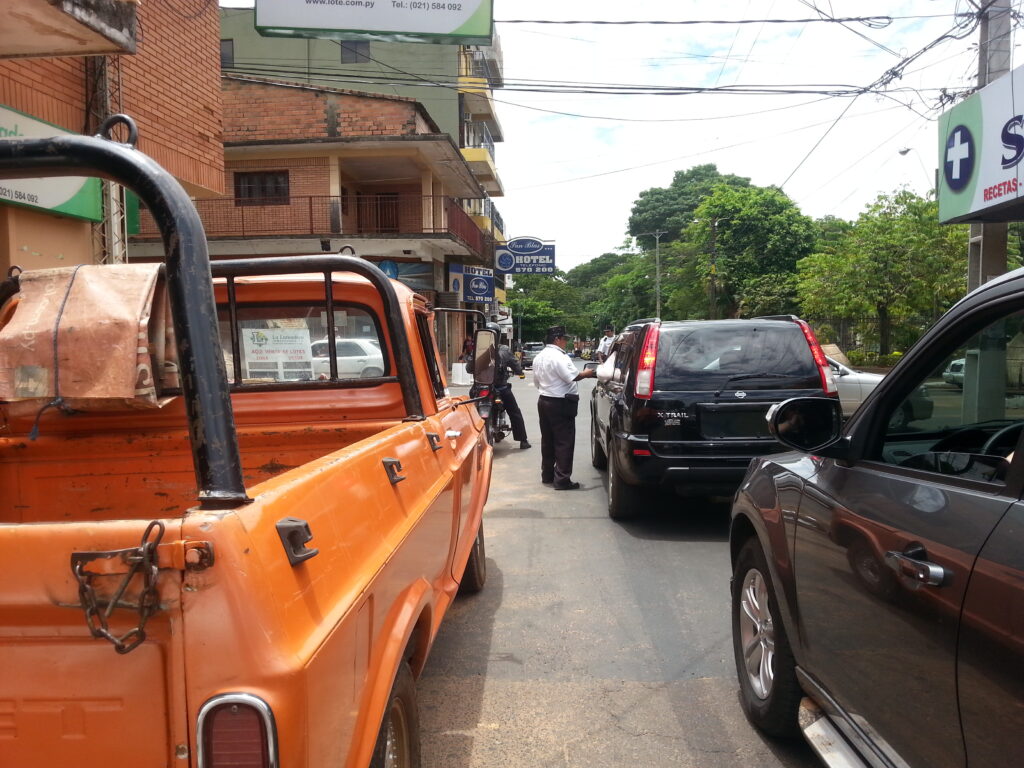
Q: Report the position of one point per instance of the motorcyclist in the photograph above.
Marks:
(503, 388)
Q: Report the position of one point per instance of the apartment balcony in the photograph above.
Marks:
(486, 216)
(67, 28)
(478, 151)
(373, 224)
(479, 75)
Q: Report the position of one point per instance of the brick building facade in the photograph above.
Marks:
(171, 87)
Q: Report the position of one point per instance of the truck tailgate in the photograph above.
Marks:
(71, 696)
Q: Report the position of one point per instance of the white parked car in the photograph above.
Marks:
(854, 386)
(357, 358)
(954, 373)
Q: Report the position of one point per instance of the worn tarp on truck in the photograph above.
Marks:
(95, 336)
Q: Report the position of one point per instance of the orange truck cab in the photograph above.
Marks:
(248, 566)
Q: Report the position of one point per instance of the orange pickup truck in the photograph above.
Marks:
(248, 569)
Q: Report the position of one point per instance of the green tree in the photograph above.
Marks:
(672, 208)
(749, 237)
(897, 260)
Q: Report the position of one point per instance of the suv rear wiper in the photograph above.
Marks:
(763, 375)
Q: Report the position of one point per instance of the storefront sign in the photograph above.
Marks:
(526, 256)
(473, 284)
(278, 354)
(467, 22)
(981, 146)
(70, 195)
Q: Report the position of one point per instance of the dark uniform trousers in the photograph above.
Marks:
(515, 413)
(557, 437)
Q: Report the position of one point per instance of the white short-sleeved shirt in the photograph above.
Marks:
(553, 373)
(605, 345)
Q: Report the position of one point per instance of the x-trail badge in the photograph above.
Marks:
(741, 395)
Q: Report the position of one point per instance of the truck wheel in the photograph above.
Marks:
(624, 501)
(475, 575)
(598, 458)
(769, 692)
(371, 373)
(398, 742)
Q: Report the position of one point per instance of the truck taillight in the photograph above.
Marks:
(645, 369)
(236, 731)
(828, 381)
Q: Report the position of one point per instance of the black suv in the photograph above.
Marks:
(682, 405)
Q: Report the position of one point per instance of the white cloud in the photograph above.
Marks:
(763, 137)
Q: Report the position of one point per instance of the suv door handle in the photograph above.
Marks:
(920, 571)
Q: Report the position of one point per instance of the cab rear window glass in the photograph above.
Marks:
(288, 342)
(698, 357)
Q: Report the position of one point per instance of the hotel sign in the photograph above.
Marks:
(525, 256)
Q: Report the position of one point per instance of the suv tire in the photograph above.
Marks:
(624, 501)
(769, 694)
(598, 458)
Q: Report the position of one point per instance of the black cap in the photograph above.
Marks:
(608, 328)
(555, 331)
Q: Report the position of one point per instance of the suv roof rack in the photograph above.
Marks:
(790, 318)
(642, 321)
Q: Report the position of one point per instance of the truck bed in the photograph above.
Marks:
(137, 464)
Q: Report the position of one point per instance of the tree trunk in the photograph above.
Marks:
(884, 331)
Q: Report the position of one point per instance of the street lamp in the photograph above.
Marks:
(657, 266)
(931, 182)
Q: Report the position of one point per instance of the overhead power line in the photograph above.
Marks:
(877, 22)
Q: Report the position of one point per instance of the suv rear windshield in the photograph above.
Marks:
(706, 356)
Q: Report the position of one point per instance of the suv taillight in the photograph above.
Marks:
(645, 369)
(828, 382)
(236, 731)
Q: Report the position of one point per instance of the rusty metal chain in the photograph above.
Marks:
(97, 614)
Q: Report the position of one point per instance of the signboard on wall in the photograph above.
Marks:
(76, 196)
(981, 147)
(473, 284)
(466, 22)
(526, 256)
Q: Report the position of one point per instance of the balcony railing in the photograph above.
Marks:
(374, 215)
(477, 135)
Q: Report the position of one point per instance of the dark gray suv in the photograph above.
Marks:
(682, 405)
(878, 587)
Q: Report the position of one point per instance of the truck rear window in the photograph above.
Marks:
(700, 357)
(290, 342)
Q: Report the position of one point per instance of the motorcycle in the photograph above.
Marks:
(492, 411)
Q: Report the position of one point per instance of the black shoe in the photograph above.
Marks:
(569, 487)
(524, 444)
(547, 482)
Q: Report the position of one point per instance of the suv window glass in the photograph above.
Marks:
(705, 356)
(288, 342)
(966, 415)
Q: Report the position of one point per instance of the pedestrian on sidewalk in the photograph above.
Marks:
(555, 377)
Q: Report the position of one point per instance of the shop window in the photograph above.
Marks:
(261, 188)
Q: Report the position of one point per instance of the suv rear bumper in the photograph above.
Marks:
(711, 473)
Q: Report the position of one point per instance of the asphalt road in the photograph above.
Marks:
(594, 643)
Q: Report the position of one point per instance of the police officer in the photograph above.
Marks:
(508, 362)
(555, 377)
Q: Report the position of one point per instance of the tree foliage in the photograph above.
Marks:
(672, 208)
(896, 259)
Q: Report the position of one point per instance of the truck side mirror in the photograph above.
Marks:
(485, 357)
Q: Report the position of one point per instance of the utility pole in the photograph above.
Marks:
(657, 267)
(987, 245)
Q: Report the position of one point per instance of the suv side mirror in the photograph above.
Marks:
(485, 360)
(806, 423)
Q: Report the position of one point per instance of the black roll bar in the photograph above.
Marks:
(204, 384)
(326, 264)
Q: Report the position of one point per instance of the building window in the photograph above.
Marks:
(227, 53)
(261, 188)
(355, 51)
